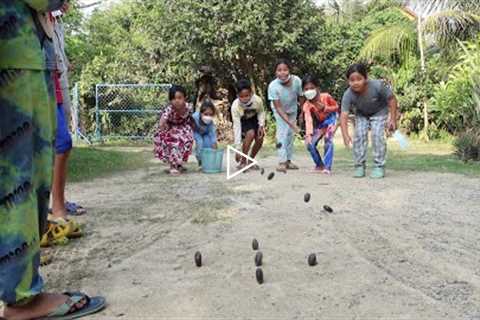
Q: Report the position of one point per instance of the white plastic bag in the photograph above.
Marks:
(401, 139)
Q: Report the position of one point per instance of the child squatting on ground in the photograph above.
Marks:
(285, 93)
(320, 111)
(173, 141)
(248, 116)
(205, 132)
(374, 105)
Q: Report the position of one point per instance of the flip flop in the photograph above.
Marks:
(74, 209)
(291, 166)
(54, 236)
(174, 172)
(70, 227)
(45, 260)
(68, 310)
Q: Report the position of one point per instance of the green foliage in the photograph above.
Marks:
(455, 101)
(467, 145)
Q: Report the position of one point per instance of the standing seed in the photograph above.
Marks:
(327, 208)
(198, 259)
(259, 275)
(271, 175)
(258, 259)
(306, 197)
(255, 244)
(312, 259)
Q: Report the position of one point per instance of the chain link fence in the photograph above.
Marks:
(126, 111)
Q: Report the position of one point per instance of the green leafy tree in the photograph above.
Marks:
(445, 21)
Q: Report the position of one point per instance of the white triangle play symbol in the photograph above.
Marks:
(253, 162)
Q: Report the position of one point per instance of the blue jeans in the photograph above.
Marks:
(285, 136)
(201, 142)
(325, 130)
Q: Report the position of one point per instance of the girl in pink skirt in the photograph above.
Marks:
(174, 139)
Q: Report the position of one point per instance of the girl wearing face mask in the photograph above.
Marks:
(320, 111)
(248, 115)
(285, 94)
(375, 108)
(174, 139)
(205, 133)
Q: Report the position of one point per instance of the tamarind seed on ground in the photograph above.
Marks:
(262, 171)
(307, 197)
(259, 275)
(312, 259)
(258, 259)
(198, 259)
(278, 145)
(271, 175)
(327, 208)
(255, 244)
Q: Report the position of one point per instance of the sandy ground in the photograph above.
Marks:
(407, 247)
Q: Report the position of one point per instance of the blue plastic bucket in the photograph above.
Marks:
(212, 160)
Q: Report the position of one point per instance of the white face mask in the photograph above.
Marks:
(310, 94)
(246, 104)
(286, 80)
(207, 119)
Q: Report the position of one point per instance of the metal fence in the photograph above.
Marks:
(128, 111)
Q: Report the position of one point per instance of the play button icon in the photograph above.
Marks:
(232, 151)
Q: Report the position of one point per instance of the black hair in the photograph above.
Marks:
(359, 68)
(309, 78)
(207, 104)
(174, 89)
(244, 84)
(282, 61)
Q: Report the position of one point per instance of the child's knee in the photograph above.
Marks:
(250, 135)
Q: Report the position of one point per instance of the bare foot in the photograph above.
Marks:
(41, 306)
(59, 211)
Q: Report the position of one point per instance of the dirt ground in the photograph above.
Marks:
(406, 247)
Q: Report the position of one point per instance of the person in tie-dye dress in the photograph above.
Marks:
(27, 130)
(174, 139)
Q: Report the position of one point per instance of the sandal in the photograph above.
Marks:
(54, 236)
(45, 260)
(70, 227)
(174, 172)
(69, 310)
(74, 209)
(291, 166)
(282, 167)
(255, 167)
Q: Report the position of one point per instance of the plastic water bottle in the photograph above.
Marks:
(401, 139)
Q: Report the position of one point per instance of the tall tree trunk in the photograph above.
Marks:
(424, 74)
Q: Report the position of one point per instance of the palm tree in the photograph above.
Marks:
(440, 23)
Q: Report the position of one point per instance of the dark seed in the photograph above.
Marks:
(258, 259)
(198, 259)
(306, 197)
(255, 244)
(262, 172)
(278, 145)
(327, 208)
(271, 175)
(259, 275)
(312, 259)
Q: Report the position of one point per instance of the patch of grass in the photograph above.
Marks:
(436, 156)
(87, 163)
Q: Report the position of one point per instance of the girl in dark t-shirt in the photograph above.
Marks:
(374, 104)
